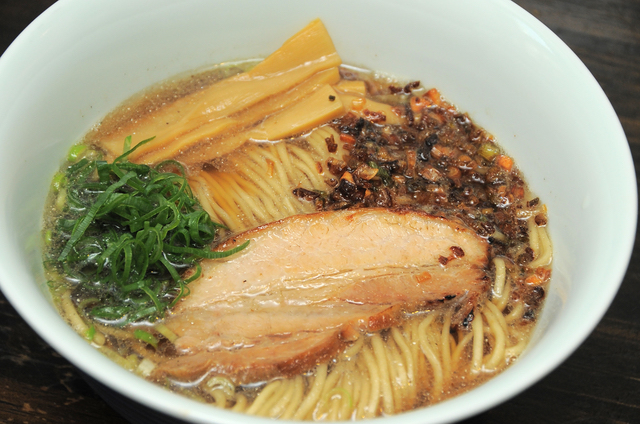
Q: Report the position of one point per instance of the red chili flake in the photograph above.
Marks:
(533, 202)
(331, 182)
(457, 251)
(540, 220)
(525, 257)
(336, 166)
(332, 146)
(518, 192)
(543, 273)
(375, 117)
(346, 138)
(409, 87)
(303, 193)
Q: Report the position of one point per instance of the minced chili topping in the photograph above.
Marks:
(438, 161)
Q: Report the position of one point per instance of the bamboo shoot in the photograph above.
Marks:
(179, 126)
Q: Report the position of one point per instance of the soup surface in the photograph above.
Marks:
(296, 238)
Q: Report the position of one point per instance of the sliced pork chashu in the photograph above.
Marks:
(308, 284)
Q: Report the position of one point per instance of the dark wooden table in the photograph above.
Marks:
(599, 383)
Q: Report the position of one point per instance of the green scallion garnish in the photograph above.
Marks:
(146, 337)
(91, 332)
(128, 235)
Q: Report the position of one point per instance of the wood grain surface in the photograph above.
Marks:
(599, 383)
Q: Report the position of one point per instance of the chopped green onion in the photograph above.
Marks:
(126, 235)
(59, 181)
(75, 152)
(166, 332)
(90, 333)
(48, 237)
(382, 173)
(488, 151)
(61, 201)
(146, 337)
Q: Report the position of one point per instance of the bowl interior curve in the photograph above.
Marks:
(82, 58)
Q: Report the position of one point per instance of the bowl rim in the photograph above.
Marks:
(197, 411)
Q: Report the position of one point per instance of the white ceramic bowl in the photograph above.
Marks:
(81, 58)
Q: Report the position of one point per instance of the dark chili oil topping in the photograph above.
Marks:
(435, 165)
(439, 162)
